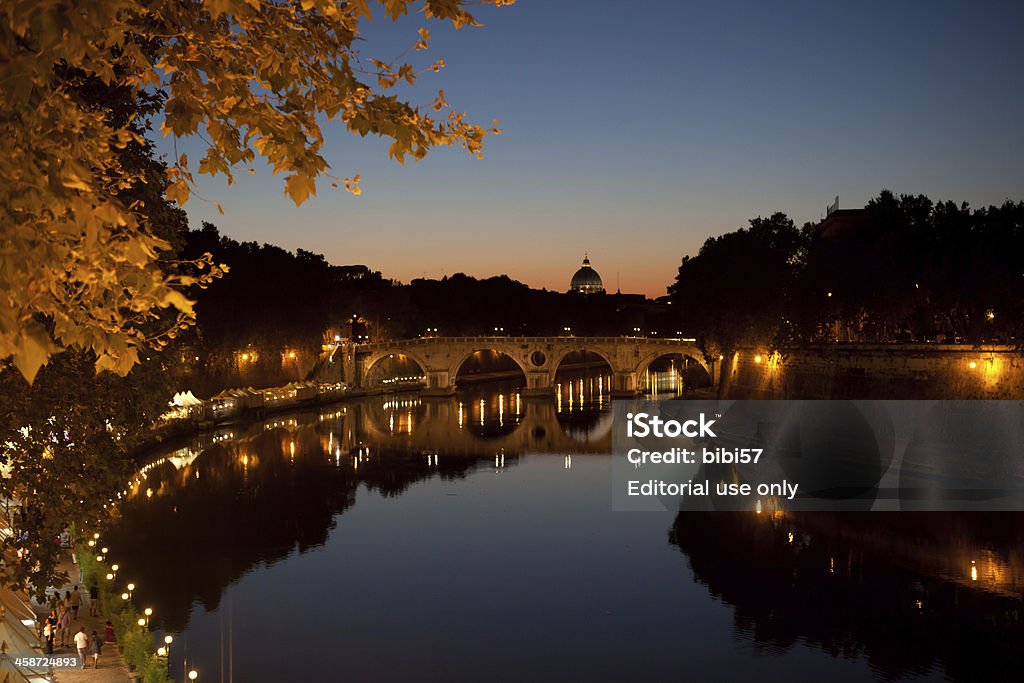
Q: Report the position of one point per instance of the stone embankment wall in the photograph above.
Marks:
(877, 371)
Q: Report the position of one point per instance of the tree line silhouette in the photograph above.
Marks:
(902, 269)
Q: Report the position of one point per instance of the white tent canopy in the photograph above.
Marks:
(185, 399)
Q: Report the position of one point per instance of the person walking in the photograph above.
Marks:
(96, 649)
(48, 637)
(94, 600)
(81, 644)
(64, 626)
(76, 602)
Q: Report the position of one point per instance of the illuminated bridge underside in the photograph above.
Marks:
(538, 358)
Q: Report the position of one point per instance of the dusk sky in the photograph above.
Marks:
(633, 131)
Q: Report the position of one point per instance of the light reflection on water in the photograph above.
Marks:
(378, 540)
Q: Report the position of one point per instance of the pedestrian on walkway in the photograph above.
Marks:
(82, 644)
(111, 637)
(48, 637)
(96, 648)
(64, 626)
(76, 602)
(94, 600)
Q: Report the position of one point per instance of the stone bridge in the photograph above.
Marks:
(440, 359)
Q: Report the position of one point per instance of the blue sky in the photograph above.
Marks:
(634, 130)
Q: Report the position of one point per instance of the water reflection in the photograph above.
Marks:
(253, 495)
(304, 507)
(910, 592)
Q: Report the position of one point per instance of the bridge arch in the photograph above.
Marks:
(373, 365)
(583, 350)
(501, 349)
(693, 354)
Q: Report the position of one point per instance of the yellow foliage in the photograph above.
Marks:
(78, 266)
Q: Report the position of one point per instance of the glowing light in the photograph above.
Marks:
(974, 571)
(972, 365)
(757, 359)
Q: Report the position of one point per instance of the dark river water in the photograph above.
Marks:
(467, 539)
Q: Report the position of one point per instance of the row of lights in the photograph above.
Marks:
(165, 649)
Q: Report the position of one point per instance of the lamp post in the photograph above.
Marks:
(131, 589)
(148, 612)
(193, 675)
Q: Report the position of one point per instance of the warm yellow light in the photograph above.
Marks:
(972, 365)
(291, 354)
(193, 675)
(96, 535)
(162, 651)
(110, 577)
(131, 587)
(168, 639)
(142, 622)
(245, 356)
(757, 359)
(103, 550)
(149, 611)
(124, 596)
(114, 567)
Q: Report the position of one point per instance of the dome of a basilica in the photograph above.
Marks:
(586, 280)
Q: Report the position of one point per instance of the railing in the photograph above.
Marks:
(529, 340)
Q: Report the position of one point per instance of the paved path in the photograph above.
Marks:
(111, 668)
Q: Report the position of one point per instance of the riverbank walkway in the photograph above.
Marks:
(112, 668)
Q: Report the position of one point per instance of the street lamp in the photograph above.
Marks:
(193, 675)
(148, 613)
(125, 597)
(161, 651)
(131, 589)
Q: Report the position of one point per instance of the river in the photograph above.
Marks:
(472, 538)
